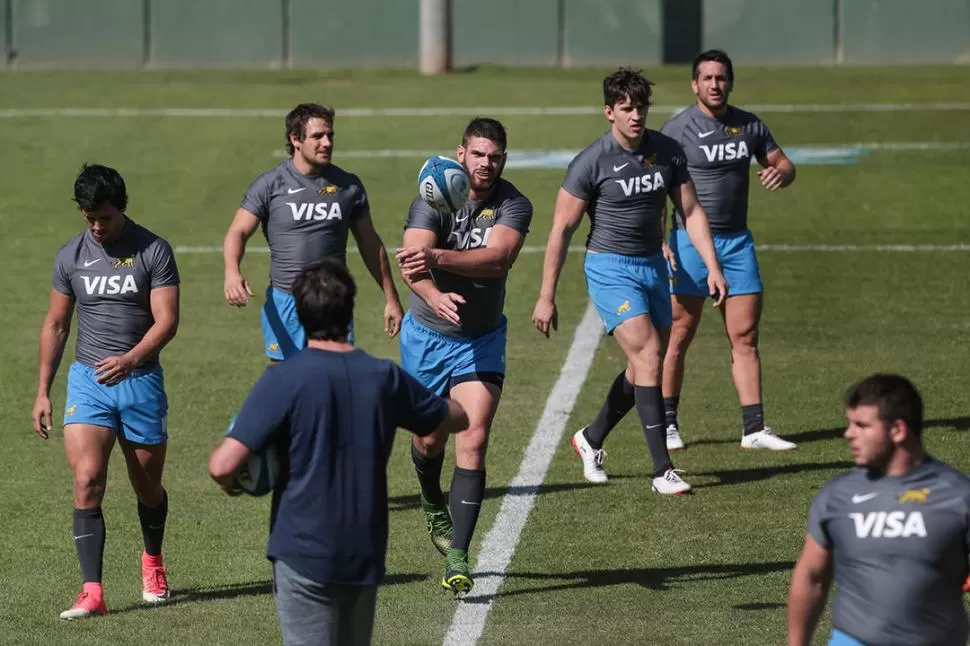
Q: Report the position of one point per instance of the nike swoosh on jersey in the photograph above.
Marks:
(705, 134)
(291, 191)
(617, 169)
(88, 263)
(857, 498)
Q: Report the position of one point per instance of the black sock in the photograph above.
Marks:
(153, 525)
(428, 469)
(650, 408)
(465, 501)
(753, 418)
(89, 541)
(670, 409)
(619, 401)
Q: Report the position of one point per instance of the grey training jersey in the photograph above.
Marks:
(305, 218)
(719, 154)
(900, 546)
(469, 228)
(626, 190)
(111, 287)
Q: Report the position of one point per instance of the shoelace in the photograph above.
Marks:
(598, 457)
(156, 579)
(671, 475)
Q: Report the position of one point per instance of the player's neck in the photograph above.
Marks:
(303, 167)
(904, 460)
(481, 196)
(330, 346)
(713, 114)
(627, 142)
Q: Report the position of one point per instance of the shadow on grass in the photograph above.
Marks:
(651, 578)
(204, 594)
(412, 501)
(741, 476)
(819, 435)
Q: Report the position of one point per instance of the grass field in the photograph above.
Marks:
(610, 564)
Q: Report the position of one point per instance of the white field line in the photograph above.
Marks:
(779, 248)
(500, 542)
(457, 111)
(418, 153)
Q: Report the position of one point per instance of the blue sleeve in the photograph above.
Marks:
(417, 409)
(266, 409)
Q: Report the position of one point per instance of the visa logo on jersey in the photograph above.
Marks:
(647, 183)
(319, 211)
(471, 239)
(726, 152)
(889, 524)
(109, 285)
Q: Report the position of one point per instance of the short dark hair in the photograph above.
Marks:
(96, 185)
(299, 116)
(626, 82)
(486, 128)
(894, 396)
(324, 292)
(716, 56)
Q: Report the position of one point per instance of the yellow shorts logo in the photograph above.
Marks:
(918, 496)
(623, 309)
(273, 347)
(70, 410)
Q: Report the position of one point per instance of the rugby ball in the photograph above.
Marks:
(443, 184)
(257, 475)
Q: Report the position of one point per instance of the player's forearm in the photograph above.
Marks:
(699, 231)
(556, 248)
(805, 604)
(423, 287)
(53, 340)
(475, 263)
(156, 338)
(379, 267)
(787, 170)
(233, 250)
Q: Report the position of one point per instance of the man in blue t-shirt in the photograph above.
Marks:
(332, 411)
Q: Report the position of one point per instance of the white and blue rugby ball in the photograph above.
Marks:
(258, 474)
(443, 184)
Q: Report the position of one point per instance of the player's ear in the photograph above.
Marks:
(460, 153)
(608, 112)
(899, 431)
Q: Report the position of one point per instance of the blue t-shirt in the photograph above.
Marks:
(333, 416)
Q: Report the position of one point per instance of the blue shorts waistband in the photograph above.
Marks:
(623, 259)
(435, 334)
(138, 372)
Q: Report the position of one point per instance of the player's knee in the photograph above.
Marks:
(432, 444)
(472, 446)
(89, 484)
(745, 341)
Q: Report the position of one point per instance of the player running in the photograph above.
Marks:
(124, 283)
(893, 533)
(305, 206)
(453, 336)
(622, 180)
(720, 141)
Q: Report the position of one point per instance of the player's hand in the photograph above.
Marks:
(111, 371)
(393, 315)
(717, 287)
(42, 416)
(771, 178)
(669, 256)
(415, 260)
(545, 316)
(237, 290)
(445, 305)
(966, 585)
